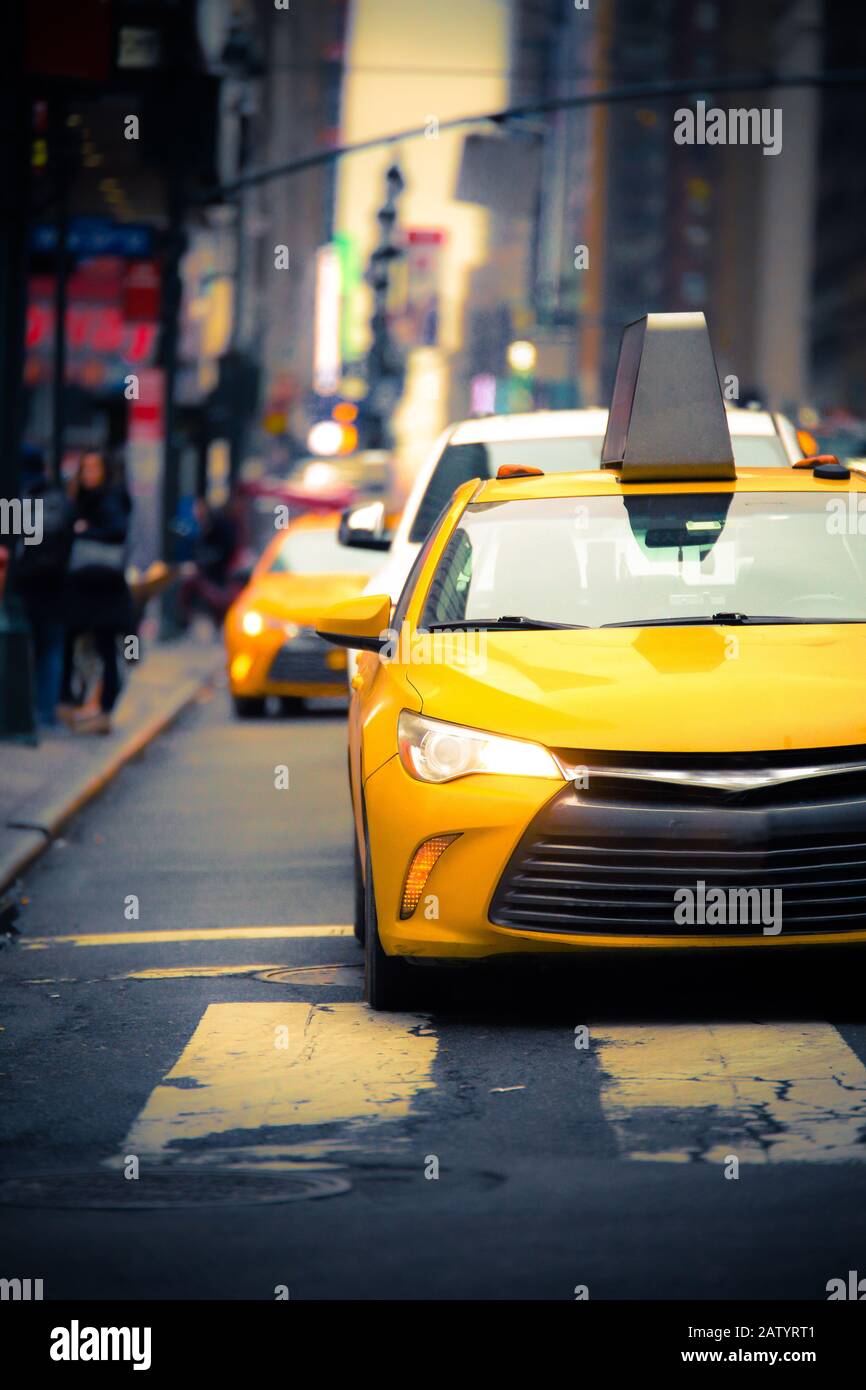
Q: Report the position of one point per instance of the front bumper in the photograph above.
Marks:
(611, 871)
(272, 665)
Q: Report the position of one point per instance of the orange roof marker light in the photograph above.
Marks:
(518, 470)
(817, 461)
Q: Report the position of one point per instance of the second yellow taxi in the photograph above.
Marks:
(271, 644)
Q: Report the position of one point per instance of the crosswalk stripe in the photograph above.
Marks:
(764, 1092)
(158, 934)
(292, 1066)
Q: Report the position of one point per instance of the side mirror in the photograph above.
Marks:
(361, 623)
(365, 527)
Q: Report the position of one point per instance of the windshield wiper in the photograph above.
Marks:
(512, 621)
(723, 620)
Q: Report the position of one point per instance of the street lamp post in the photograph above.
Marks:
(384, 365)
(172, 293)
(61, 152)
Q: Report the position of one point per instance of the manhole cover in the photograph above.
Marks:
(314, 975)
(169, 1188)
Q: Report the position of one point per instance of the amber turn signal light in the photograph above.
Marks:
(420, 868)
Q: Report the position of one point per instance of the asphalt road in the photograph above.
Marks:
(234, 1069)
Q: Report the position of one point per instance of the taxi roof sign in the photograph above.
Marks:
(667, 417)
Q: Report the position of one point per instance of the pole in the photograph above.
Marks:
(16, 674)
(61, 185)
(632, 91)
(384, 370)
(170, 330)
(235, 360)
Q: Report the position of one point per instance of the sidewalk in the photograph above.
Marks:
(40, 788)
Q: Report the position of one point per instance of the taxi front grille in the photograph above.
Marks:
(304, 661)
(583, 867)
(557, 885)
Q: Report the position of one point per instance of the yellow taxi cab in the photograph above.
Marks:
(619, 708)
(271, 644)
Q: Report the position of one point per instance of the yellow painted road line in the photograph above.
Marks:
(275, 1065)
(146, 938)
(766, 1092)
(278, 973)
(192, 972)
(168, 972)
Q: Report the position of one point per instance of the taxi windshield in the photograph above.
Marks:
(655, 558)
(316, 550)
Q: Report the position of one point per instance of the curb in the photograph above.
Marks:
(33, 837)
(27, 845)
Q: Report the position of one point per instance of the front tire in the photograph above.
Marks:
(360, 903)
(248, 706)
(292, 705)
(388, 982)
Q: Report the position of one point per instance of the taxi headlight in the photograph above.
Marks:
(254, 624)
(432, 750)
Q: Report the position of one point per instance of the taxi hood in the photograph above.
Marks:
(654, 689)
(301, 598)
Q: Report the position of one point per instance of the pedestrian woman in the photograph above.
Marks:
(99, 603)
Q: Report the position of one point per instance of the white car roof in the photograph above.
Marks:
(578, 424)
(751, 422)
(536, 424)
